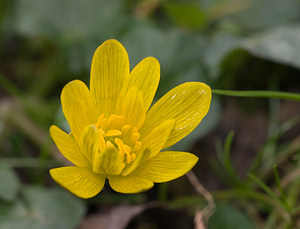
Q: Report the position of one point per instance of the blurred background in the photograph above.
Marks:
(228, 44)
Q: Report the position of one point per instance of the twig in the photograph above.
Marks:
(211, 206)
(198, 220)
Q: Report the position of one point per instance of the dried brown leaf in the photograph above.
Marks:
(117, 218)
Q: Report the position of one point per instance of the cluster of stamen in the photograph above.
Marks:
(113, 132)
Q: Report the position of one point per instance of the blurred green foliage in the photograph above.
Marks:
(8, 177)
(227, 217)
(39, 208)
(228, 44)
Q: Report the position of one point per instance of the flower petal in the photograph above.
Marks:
(145, 76)
(166, 166)
(68, 147)
(187, 104)
(132, 107)
(157, 138)
(77, 106)
(152, 144)
(142, 155)
(89, 142)
(110, 69)
(80, 181)
(129, 184)
(108, 162)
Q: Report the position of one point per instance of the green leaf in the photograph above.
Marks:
(77, 26)
(147, 40)
(187, 15)
(179, 53)
(68, 20)
(9, 183)
(13, 215)
(281, 44)
(265, 13)
(42, 208)
(217, 49)
(228, 217)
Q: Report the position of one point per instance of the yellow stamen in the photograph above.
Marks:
(101, 132)
(127, 149)
(98, 123)
(133, 156)
(128, 158)
(101, 143)
(126, 129)
(109, 144)
(115, 137)
(115, 121)
(113, 133)
(135, 137)
(137, 146)
(120, 144)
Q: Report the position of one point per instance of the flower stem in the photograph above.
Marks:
(259, 94)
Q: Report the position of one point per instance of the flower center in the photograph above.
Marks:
(118, 144)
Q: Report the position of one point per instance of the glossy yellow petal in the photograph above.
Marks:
(77, 106)
(110, 69)
(80, 181)
(129, 184)
(108, 162)
(166, 166)
(158, 137)
(145, 76)
(132, 107)
(187, 104)
(68, 147)
(89, 142)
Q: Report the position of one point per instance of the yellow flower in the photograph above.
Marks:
(115, 136)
